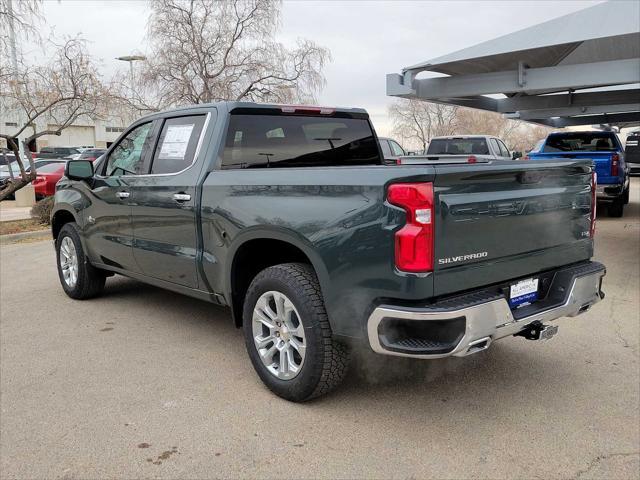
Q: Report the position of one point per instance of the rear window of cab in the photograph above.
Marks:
(581, 142)
(276, 141)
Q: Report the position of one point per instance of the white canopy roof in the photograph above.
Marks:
(592, 56)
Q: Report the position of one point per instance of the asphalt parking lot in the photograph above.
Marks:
(143, 383)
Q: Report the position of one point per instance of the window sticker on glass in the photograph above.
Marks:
(176, 141)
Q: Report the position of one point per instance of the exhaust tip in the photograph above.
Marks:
(479, 345)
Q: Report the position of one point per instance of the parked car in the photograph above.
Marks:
(44, 184)
(632, 152)
(283, 214)
(6, 157)
(56, 152)
(15, 168)
(607, 154)
(391, 150)
(462, 148)
(91, 154)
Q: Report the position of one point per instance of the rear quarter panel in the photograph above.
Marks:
(337, 216)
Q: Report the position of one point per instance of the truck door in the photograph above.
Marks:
(107, 219)
(164, 203)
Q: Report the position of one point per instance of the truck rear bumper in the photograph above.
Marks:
(468, 324)
(609, 192)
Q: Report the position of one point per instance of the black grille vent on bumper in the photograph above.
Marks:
(421, 337)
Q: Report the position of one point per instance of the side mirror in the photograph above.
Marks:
(516, 155)
(78, 169)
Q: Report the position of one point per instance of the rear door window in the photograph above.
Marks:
(396, 149)
(504, 151)
(386, 150)
(177, 144)
(268, 140)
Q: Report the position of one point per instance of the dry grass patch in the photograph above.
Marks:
(19, 226)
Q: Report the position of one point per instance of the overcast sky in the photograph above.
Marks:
(367, 39)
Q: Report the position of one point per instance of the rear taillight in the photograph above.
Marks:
(594, 183)
(615, 160)
(398, 161)
(414, 241)
(472, 159)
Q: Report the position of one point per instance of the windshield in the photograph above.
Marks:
(458, 146)
(255, 140)
(585, 142)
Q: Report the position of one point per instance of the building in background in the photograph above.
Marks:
(99, 133)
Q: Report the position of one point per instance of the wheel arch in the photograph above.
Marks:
(257, 249)
(60, 216)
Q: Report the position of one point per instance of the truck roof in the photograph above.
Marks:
(462, 136)
(232, 105)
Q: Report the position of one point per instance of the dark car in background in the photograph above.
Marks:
(608, 156)
(91, 154)
(391, 150)
(56, 152)
(6, 157)
(632, 152)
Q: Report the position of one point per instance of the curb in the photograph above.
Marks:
(35, 235)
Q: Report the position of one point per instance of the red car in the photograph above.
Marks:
(46, 179)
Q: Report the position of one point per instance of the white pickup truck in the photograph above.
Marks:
(463, 148)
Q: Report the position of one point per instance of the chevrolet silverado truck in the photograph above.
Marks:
(463, 148)
(607, 153)
(288, 216)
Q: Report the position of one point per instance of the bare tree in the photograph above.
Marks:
(210, 50)
(518, 135)
(60, 92)
(420, 121)
(17, 21)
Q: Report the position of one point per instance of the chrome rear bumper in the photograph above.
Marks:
(488, 321)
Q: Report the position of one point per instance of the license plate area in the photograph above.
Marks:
(523, 292)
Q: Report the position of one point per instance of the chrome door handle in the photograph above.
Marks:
(181, 197)
(122, 195)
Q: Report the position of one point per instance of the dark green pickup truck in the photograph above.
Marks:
(287, 215)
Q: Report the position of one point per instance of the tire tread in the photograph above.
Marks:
(332, 361)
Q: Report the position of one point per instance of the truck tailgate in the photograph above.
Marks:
(601, 160)
(509, 219)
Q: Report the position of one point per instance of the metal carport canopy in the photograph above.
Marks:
(579, 69)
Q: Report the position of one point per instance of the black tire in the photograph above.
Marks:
(616, 208)
(90, 282)
(625, 196)
(326, 359)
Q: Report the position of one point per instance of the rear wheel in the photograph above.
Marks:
(625, 195)
(79, 279)
(288, 336)
(616, 208)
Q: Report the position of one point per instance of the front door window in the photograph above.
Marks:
(128, 158)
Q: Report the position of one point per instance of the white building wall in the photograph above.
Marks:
(86, 131)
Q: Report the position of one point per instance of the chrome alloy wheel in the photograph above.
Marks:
(278, 334)
(69, 262)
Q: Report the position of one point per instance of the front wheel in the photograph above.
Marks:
(79, 279)
(288, 336)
